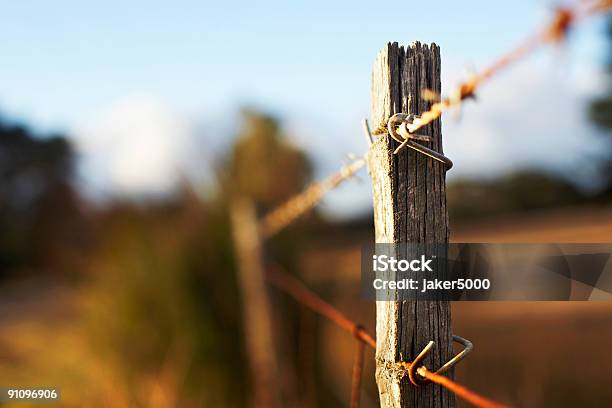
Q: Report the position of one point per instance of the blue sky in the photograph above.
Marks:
(79, 67)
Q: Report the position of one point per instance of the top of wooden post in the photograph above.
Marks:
(399, 76)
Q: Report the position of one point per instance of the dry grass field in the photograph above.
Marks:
(528, 354)
(539, 353)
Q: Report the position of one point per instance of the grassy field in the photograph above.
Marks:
(526, 353)
(529, 354)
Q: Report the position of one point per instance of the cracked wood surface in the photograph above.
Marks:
(409, 191)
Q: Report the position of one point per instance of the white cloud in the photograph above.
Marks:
(529, 117)
(533, 115)
(137, 146)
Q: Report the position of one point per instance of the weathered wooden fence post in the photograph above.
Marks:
(257, 320)
(409, 206)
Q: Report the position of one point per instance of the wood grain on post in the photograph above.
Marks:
(409, 192)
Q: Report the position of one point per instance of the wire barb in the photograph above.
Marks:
(563, 20)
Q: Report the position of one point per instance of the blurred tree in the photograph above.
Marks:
(38, 207)
(163, 313)
(262, 165)
(165, 292)
(600, 111)
(520, 191)
(164, 303)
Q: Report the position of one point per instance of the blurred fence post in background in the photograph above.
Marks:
(257, 312)
(409, 191)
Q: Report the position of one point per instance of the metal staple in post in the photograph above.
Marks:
(301, 294)
(413, 367)
(408, 138)
(409, 197)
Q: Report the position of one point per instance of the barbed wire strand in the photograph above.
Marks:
(304, 296)
(555, 31)
(291, 210)
(458, 389)
(597, 7)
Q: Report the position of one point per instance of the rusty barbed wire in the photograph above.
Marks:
(408, 139)
(598, 7)
(459, 390)
(304, 296)
(308, 298)
(554, 32)
(304, 201)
